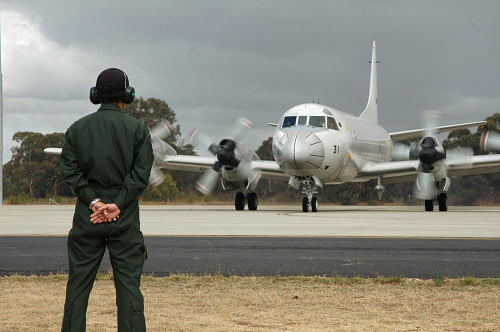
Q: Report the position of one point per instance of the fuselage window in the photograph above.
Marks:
(289, 121)
(317, 121)
(302, 121)
(331, 124)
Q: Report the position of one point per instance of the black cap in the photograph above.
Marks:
(111, 83)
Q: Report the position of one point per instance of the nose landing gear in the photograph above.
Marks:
(313, 203)
(310, 199)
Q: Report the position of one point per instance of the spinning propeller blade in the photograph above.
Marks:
(226, 154)
(252, 176)
(198, 139)
(162, 130)
(207, 182)
(156, 177)
(161, 149)
(429, 152)
(430, 121)
(240, 128)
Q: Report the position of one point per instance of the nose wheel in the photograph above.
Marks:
(313, 203)
(310, 199)
(305, 204)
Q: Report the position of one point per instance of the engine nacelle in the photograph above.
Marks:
(490, 141)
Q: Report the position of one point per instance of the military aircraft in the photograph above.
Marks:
(316, 145)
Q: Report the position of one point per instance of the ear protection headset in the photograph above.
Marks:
(127, 95)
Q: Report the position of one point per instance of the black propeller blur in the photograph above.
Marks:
(428, 154)
(225, 154)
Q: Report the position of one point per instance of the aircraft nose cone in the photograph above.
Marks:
(301, 150)
(285, 150)
(308, 151)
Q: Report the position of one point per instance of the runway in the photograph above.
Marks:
(332, 220)
(363, 241)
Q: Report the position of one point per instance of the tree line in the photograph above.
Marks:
(32, 174)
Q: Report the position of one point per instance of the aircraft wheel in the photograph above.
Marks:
(305, 204)
(429, 205)
(239, 201)
(252, 201)
(442, 202)
(314, 204)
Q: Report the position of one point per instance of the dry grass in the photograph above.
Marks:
(216, 303)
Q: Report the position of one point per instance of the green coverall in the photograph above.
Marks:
(106, 155)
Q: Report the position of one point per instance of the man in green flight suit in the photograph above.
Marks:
(106, 159)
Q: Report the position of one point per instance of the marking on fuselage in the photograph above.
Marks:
(314, 143)
(315, 155)
(312, 164)
(294, 145)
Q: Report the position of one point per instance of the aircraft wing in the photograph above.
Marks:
(269, 169)
(392, 172)
(418, 133)
(188, 163)
(402, 171)
(489, 163)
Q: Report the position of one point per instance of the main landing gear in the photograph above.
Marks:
(251, 199)
(441, 200)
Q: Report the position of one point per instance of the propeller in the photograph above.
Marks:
(230, 155)
(163, 129)
(433, 158)
(428, 155)
(490, 141)
(161, 149)
(400, 151)
(156, 177)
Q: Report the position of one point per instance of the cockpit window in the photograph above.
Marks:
(302, 121)
(289, 121)
(331, 124)
(317, 121)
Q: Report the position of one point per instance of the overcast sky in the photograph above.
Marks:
(215, 61)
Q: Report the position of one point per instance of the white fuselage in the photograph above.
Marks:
(313, 140)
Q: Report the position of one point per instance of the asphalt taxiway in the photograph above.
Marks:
(365, 257)
(276, 240)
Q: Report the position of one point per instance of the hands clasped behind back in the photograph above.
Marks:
(104, 213)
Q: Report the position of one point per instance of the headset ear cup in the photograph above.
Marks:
(128, 95)
(94, 96)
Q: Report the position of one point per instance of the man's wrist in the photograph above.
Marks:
(117, 203)
(94, 202)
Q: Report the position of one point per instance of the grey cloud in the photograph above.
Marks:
(214, 61)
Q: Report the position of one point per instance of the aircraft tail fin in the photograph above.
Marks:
(371, 110)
